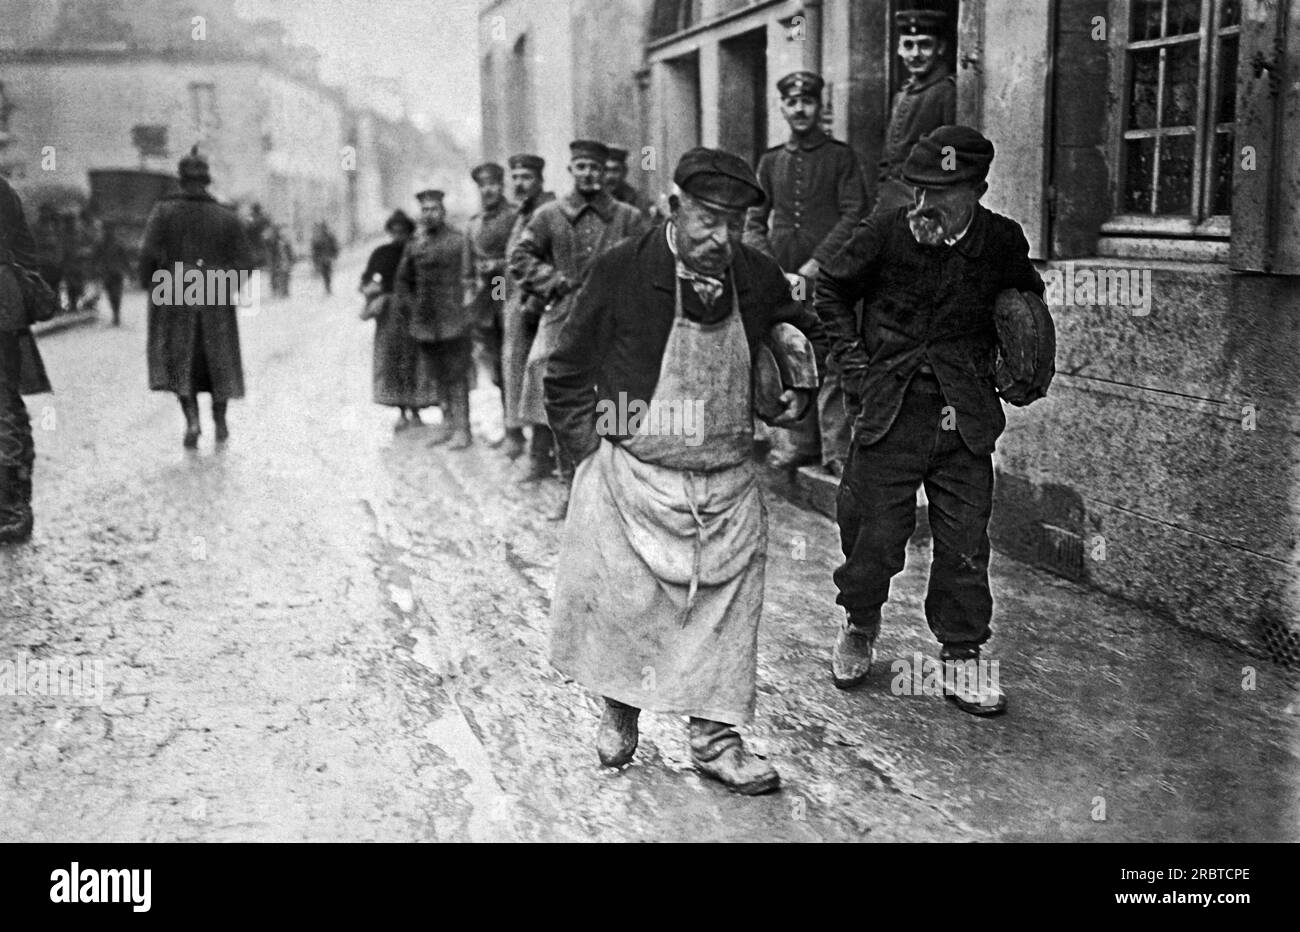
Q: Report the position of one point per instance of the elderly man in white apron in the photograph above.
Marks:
(660, 584)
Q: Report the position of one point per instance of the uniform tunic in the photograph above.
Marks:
(551, 259)
(918, 109)
(483, 271)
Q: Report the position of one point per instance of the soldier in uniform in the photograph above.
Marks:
(428, 282)
(616, 179)
(521, 315)
(919, 375)
(484, 273)
(927, 101)
(815, 196)
(554, 254)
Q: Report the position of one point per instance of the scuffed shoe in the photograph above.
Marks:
(851, 658)
(972, 684)
(514, 445)
(718, 752)
(617, 739)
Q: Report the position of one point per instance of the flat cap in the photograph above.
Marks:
(490, 171)
(920, 22)
(718, 177)
(194, 167)
(430, 194)
(947, 156)
(617, 154)
(527, 160)
(588, 149)
(798, 83)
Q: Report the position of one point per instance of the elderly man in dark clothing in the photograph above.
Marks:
(919, 376)
(815, 196)
(21, 371)
(193, 345)
(484, 274)
(429, 282)
(659, 590)
(927, 101)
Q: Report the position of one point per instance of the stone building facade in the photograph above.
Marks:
(1147, 146)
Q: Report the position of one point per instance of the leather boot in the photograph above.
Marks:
(460, 436)
(190, 408)
(617, 739)
(514, 443)
(854, 650)
(541, 455)
(15, 504)
(566, 481)
(219, 419)
(719, 753)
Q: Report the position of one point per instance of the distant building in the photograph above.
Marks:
(109, 84)
(1147, 146)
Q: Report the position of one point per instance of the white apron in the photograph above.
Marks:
(659, 588)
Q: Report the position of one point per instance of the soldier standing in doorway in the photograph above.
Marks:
(815, 196)
(484, 273)
(927, 101)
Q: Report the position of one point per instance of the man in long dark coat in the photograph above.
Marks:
(193, 343)
(21, 373)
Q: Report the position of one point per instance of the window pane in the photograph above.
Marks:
(1139, 161)
(1177, 153)
(1184, 17)
(1146, 20)
(1181, 71)
(1144, 80)
(1221, 173)
(1226, 107)
(1230, 13)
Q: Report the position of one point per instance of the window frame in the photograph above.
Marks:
(1201, 224)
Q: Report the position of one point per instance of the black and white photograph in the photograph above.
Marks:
(682, 421)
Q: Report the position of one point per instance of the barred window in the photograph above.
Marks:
(1179, 111)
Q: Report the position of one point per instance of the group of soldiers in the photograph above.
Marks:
(80, 254)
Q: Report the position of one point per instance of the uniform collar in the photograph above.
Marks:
(912, 86)
(574, 205)
(813, 140)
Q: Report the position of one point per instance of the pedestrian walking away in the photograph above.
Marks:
(193, 346)
(815, 196)
(659, 587)
(484, 273)
(22, 371)
(429, 284)
(552, 258)
(403, 368)
(324, 250)
(919, 374)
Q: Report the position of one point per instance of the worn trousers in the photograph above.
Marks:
(876, 512)
(16, 448)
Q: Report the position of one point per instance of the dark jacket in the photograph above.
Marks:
(16, 242)
(815, 196)
(200, 234)
(617, 332)
(924, 304)
(428, 281)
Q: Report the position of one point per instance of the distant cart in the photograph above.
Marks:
(124, 197)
